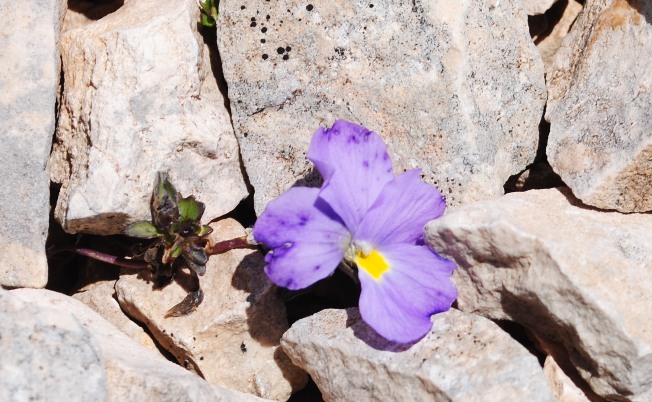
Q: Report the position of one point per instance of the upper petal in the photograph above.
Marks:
(398, 305)
(355, 165)
(306, 237)
(401, 211)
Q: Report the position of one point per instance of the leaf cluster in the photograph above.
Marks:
(176, 226)
(208, 16)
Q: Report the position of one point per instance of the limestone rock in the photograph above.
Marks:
(563, 388)
(140, 97)
(30, 65)
(56, 348)
(599, 89)
(535, 7)
(464, 358)
(100, 296)
(455, 88)
(554, 28)
(570, 273)
(47, 354)
(232, 338)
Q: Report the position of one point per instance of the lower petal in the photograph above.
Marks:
(398, 304)
(307, 239)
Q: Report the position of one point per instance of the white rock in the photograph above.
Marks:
(139, 96)
(563, 388)
(455, 88)
(599, 89)
(232, 339)
(57, 349)
(100, 296)
(30, 64)
(464, 358)
(550, 39)
(535, 7)
(576, 275)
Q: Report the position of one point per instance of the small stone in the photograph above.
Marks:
(578, 276)
(464, 358)
(100, 296)
(240, 306)
(563, 389)
(599, 97)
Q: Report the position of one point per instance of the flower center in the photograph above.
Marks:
(373, 263)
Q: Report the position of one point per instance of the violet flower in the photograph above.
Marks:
(364, 215)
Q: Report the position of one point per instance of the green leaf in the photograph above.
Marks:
(173, 251)
(143, 230)
(164, 204)
(190, 209)
(207, 20)
(205, 231)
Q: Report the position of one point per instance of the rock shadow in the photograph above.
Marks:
(368, 335)
(266, 316)
(95, 10)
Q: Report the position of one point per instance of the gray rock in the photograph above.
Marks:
(47, 355)
(140, 97)
(100, 296)
(455, 88)
(30, 64)
(572, 274)
(233, 338)
(599, 106)
(464, 358)
(57, 349)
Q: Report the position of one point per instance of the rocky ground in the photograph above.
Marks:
(532, 117)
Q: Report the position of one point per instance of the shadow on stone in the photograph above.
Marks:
(366, 334)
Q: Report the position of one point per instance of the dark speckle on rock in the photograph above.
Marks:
(263, 40)
(309, 7)
(253, 24)
(286, 56)
(280, 50)
(263, 30)
(288, 48)
(242, 7)
(265, 56)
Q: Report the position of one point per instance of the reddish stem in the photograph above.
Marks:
(226, 245)
(108, 258)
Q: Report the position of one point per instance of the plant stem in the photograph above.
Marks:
(108, 258)
(226, 245)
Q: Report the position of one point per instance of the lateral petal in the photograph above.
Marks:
(398, 305)
(355, 165)
(401, 211)
(307, 238)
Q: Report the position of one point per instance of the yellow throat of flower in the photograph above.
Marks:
(373, 263)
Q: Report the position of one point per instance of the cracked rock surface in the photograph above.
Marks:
(570, 273)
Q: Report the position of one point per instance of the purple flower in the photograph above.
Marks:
(368, 217)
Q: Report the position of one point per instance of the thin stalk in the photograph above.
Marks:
(108, 258)
(226, 245)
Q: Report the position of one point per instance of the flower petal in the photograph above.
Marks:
(355, 166)
(401, 211)
(306, 237)
(398, 305)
